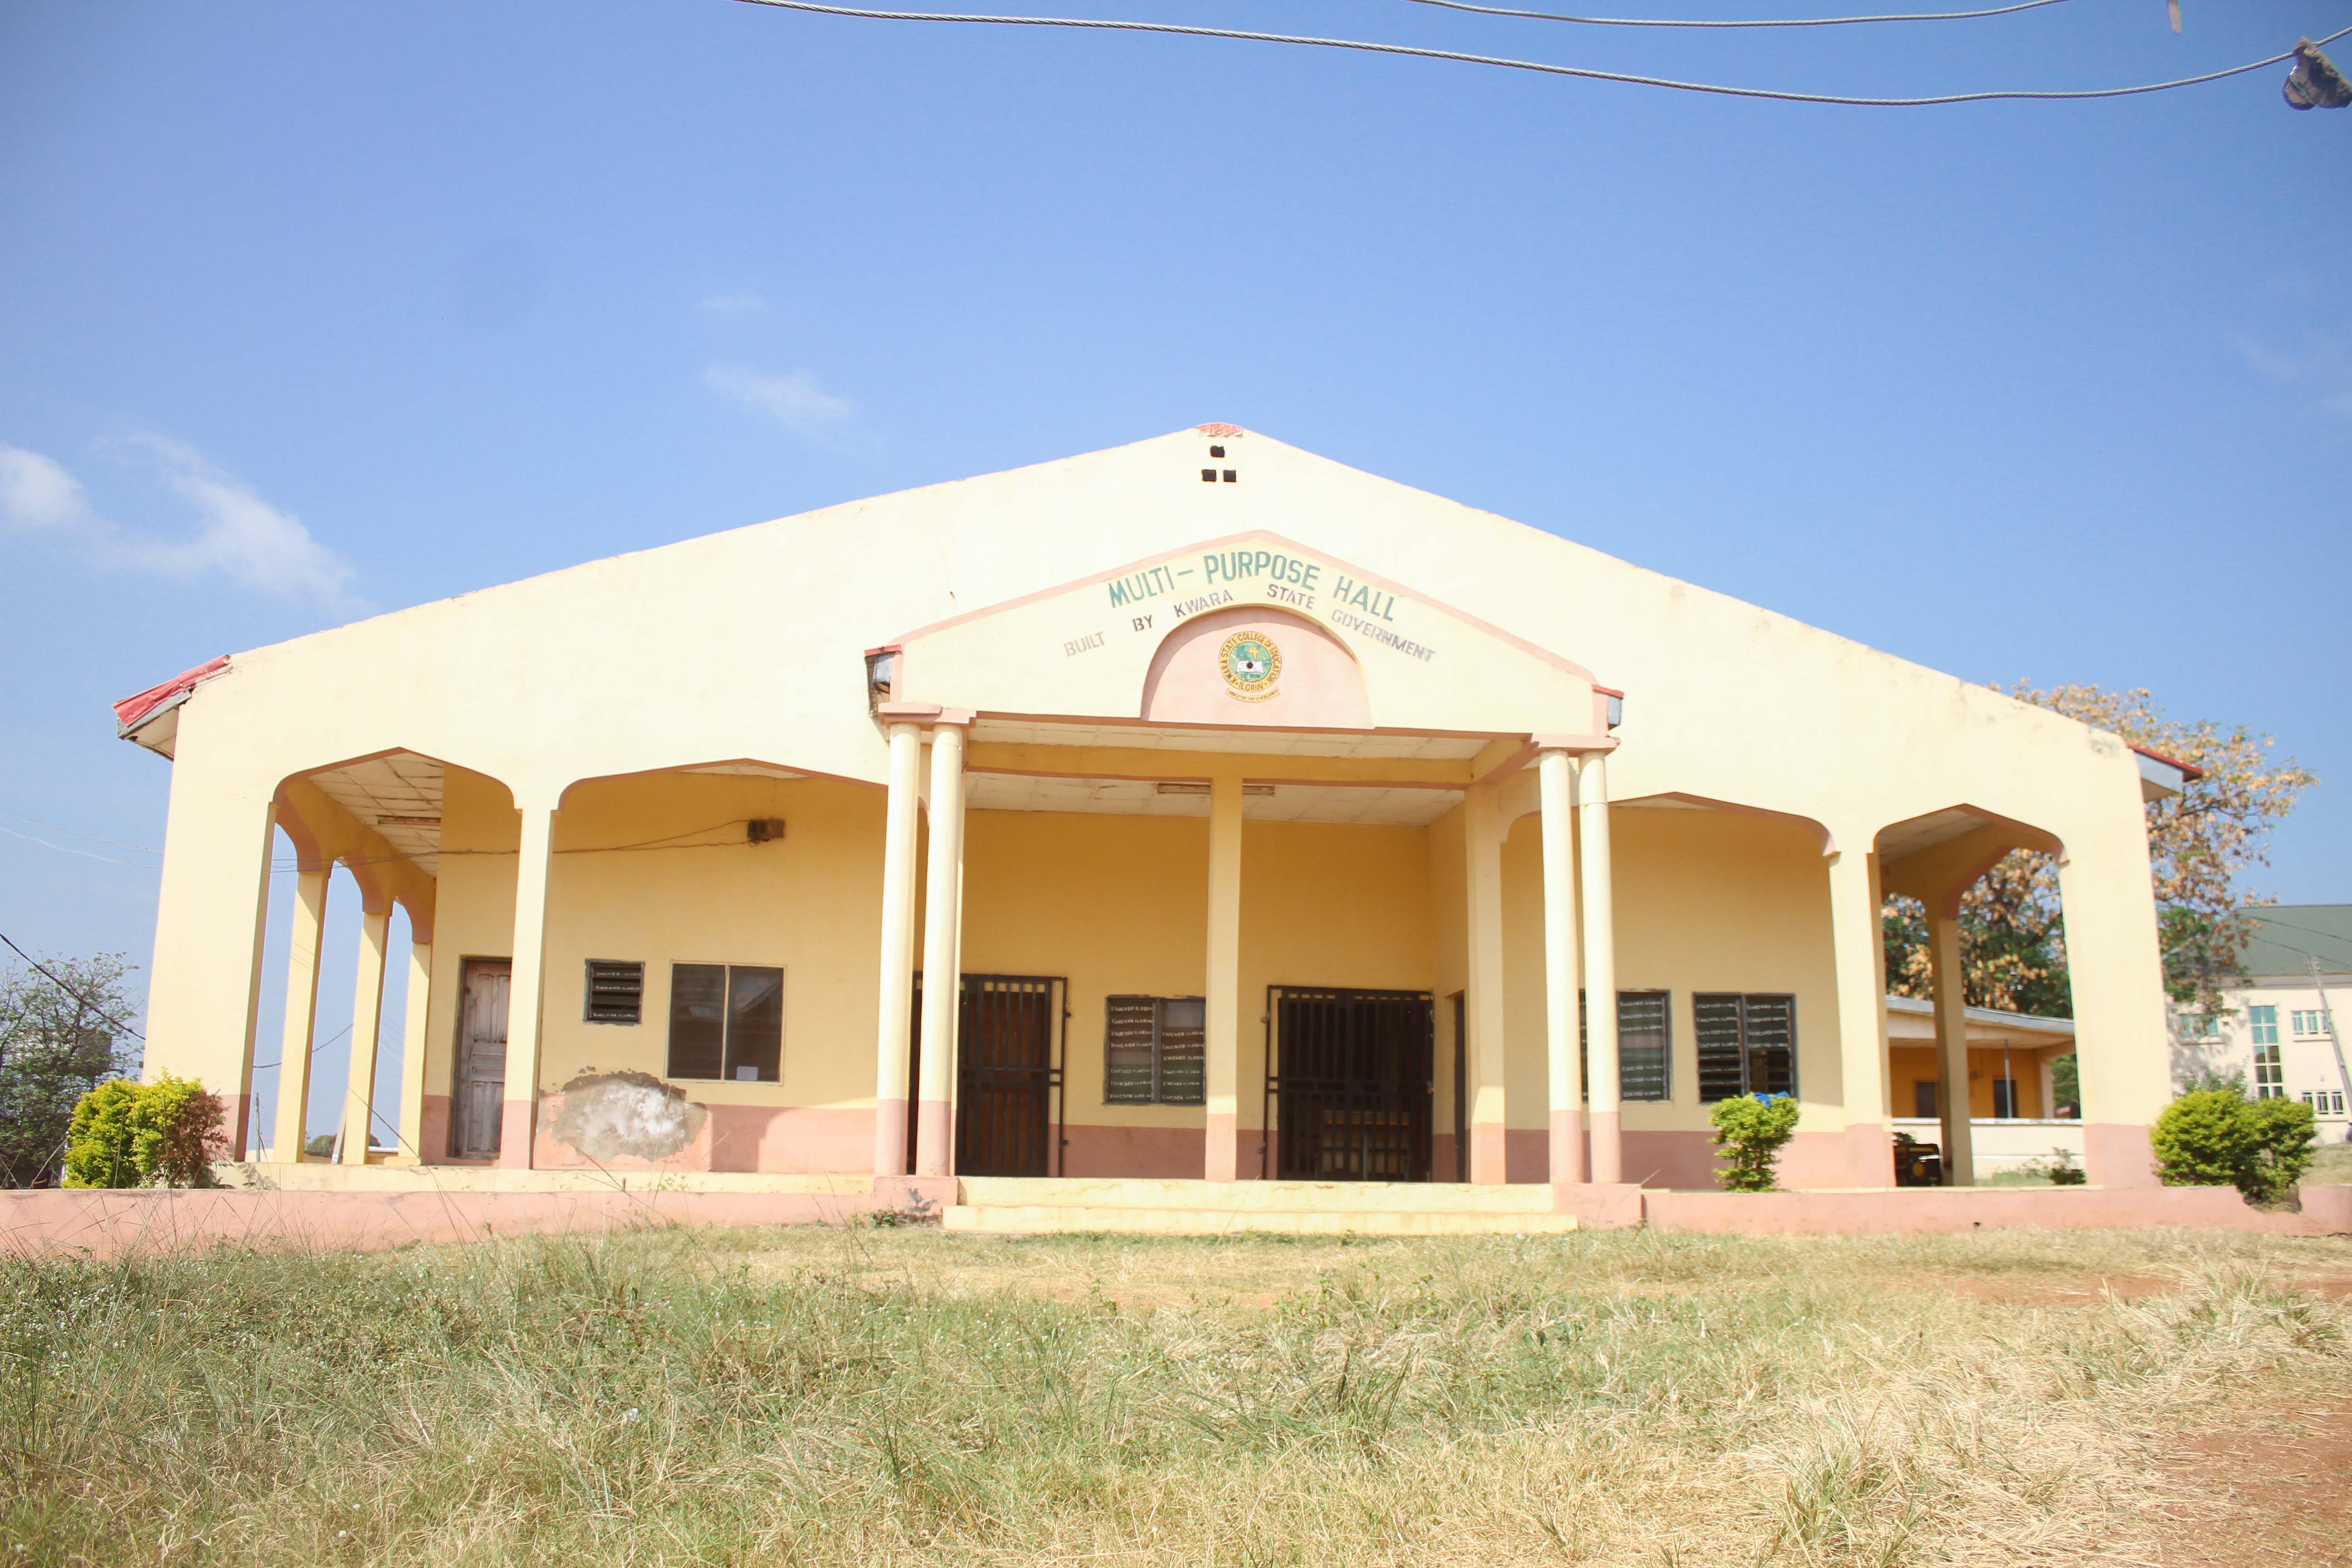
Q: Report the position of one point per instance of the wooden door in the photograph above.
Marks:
(475, 1111)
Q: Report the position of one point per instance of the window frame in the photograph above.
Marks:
(1159, 1047)
(1665, 1032)
(588, 998)
(2270, 1071)
(2262, 1024)
(1748, 1050)
(730, 1058)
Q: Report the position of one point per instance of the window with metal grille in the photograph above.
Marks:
(616, 990)
(1155, 1050)
(1643, 1045)
(726, 1021)
(1747, 1044)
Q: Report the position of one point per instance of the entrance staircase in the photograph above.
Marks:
(1023, 1205)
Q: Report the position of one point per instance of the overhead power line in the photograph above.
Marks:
(1584, 73)
(1780, 22)
(69, 990)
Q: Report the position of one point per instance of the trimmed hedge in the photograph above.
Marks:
(161, 1134)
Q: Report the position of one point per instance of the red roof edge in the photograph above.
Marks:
(132, 709)
(2188, 771)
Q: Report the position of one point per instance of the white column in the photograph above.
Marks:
(301, 1011)
(1951, 1048)
(367, 1023)
(520, 1120)
(942, 941)
(416, 1017)
(1556, 791)
(1600, 969)
(241, 1110)
(1482, 848)
(1858, 948)
(897, 953)
(1222, 1155)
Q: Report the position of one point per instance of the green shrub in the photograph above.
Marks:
(2217, 1137)
(125, 1134)
(2285, 1137)
(1750, 1132)
(98, 1149)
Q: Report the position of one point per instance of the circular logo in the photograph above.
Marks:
(1251, 663)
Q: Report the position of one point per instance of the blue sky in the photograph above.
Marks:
(308, 312)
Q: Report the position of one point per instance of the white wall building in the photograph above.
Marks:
(2284, 1022)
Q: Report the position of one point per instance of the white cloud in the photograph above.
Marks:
(239, 535)
(37, 492)
(796, 400)
(742, 302)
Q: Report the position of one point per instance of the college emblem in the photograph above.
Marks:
(1251, 663)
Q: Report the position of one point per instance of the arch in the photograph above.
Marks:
(1313, 683)
(1937, 856)
(723, 767)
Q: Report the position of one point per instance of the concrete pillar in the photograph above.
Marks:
(1222, 1161)
(414, 1018)
(1951, 1048)
(520, 1120)
(301, 1011)
(1858, 947)
(1481, 827)
(1600, 969)
(239, 1110)
(1556, 791)
(367, 1023)
(2114, 968)
(890, 1038)
(942, 941)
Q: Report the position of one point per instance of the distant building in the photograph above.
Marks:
(2278, 1027)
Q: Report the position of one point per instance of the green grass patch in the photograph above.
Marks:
(907, 1396)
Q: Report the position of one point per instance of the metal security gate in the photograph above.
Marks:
(1348, 1083)
(1008, 1102)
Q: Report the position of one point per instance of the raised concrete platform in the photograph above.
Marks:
(407, 1177)
(1029, 1206)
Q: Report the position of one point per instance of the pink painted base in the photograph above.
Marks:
(514, 1134)
(1870, 1154)
(1608, 1147)
(106, 1225)
(889, 1137)
(1599, 1205)
(1159, 1153)
(1490, 1153)
(2327, 1211)
(1565, 1153)
(934, 1128)
(1221, 1149)
(2117, 1155)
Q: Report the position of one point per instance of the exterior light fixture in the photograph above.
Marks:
(2314, 83)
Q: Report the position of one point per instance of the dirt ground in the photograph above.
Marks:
(2275, 1489)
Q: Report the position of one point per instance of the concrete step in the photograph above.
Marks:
(1238, 1197)
(1131, 1219)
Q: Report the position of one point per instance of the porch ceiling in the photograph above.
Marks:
(1372, 744)
(1927, 832)
(398, 795)
(1260, 802)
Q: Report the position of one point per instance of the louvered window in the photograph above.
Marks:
(1155, 1050)
(616, 990)
(1643, 1045)
(1747, 1044)
(726, 1021)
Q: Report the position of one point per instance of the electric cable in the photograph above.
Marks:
(1584, 73)
(1780, 22)
(69, 990)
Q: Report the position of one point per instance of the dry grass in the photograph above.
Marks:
(899, 1397)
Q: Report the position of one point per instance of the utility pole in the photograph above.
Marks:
(2327, 1017)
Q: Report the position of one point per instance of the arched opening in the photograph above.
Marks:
(1256, 668)
(1980, 1037)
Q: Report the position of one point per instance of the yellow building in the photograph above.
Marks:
(1274, 817)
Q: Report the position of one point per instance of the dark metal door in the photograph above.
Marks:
(1007, 1075)
(479, 1101)
(1461, 1089)
(1350, 1083)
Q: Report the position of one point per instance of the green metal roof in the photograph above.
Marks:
(2287, 937)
